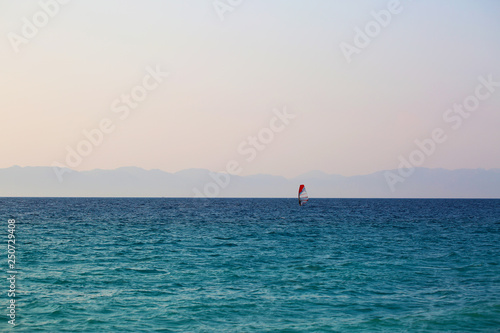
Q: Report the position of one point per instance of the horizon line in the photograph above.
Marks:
(288, 198)
(250, 175)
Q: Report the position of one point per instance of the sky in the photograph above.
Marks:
(280, 87)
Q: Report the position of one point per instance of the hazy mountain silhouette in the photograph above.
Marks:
(137, 182)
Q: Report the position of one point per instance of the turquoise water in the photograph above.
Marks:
(254, 265)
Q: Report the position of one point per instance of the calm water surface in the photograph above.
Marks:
(254, 265)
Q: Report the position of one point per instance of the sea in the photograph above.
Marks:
(251, 265)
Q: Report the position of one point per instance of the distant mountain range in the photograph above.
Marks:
(136, 182)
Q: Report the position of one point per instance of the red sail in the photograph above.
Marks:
(303, 197)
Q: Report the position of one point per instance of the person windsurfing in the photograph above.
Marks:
(303, 197)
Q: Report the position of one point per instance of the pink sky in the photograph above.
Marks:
(227, 76)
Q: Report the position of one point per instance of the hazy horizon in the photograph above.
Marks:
(138, 182)
(254, 174)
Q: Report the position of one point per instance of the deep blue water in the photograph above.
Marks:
(254, 265)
